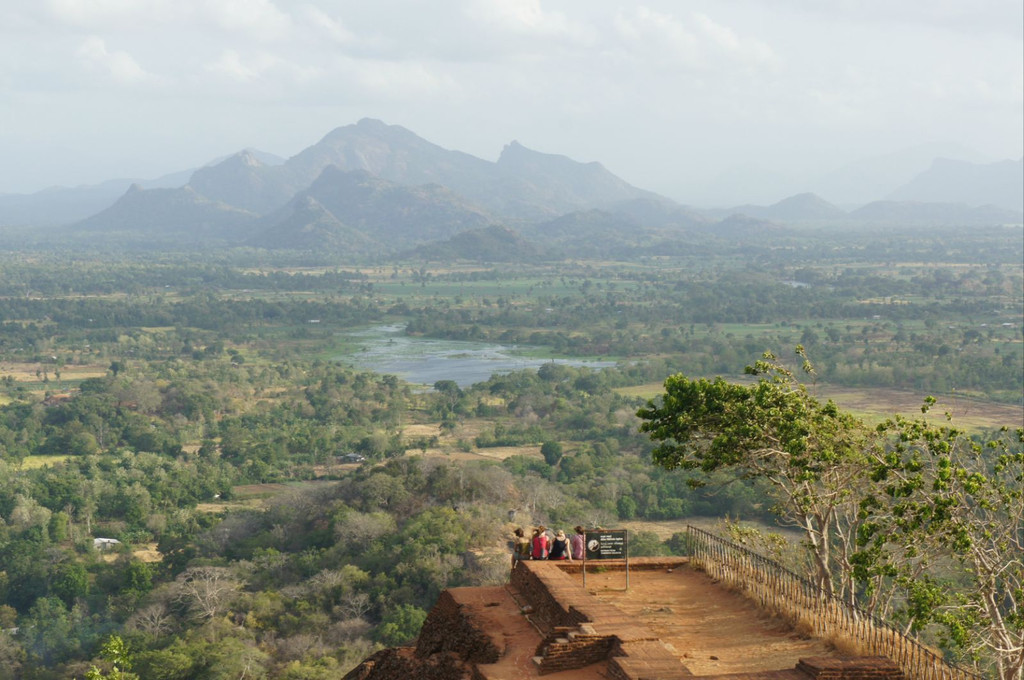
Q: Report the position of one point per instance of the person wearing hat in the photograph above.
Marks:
(560, 547)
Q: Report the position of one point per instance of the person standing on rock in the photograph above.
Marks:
(540, 543)
(576, 542)
(560, 547)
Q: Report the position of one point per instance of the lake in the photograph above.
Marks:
(387, 349)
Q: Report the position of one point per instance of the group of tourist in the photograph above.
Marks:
(546, 544)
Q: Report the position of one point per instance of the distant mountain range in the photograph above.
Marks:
(876, 177)
(810, 209)
(1000, 185)
(373, 189)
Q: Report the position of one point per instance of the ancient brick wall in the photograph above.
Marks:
(547, 590)
(572, 649)
(579, 631)
(401, 664)
(449, 627)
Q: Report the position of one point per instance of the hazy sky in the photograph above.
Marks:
(665, 93)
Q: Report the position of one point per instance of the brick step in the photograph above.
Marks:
(570, 648)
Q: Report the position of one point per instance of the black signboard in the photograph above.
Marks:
(606, 545)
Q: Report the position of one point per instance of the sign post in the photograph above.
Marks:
(605, 544)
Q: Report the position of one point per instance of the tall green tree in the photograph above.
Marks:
(117, 655)
(910, 511)
(960, 501)
(811, 453)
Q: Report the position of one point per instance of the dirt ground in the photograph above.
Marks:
(714, 630)
(967, 413)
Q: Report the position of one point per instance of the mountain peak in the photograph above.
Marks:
(249, 158)
(370, 123)
(370, 128)
(954, 181)
(515, 152)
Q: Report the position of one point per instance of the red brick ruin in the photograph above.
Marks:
(544, 622)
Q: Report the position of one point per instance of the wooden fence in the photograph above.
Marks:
(797, 598)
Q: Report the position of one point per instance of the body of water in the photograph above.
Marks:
(387, 349)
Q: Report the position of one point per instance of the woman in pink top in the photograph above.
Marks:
(576, 543)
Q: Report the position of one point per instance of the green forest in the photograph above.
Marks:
(278, 509)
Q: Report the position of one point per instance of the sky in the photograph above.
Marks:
(667, 94)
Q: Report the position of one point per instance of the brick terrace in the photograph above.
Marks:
(546, 623)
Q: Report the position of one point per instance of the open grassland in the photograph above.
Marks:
(257, 496)
(459, 445)
(29, 372)
(876, 404)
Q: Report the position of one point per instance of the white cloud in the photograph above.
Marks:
(958, 16)
(230, 65)
(110, 15)
(406, 81)
(254, 19)
(257, 19)
(265, 68)
(751, 51)
(323, 24)
(527, 18)
(696, 43)
(119, 65)
(657, 34)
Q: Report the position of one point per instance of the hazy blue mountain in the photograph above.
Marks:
(387, 213)
(246, 182)
(658, 212)
(951, 181)
(875, 177)
(490, 244)
(535, 183)
(805, 207)
(747, 183)
(913, 213)
(264, 157)
(66, 205)
(398, 190)
(169, 214)
(593, 233)
(584, 224)
(744, 227)
(308, 225)
(604, 233)
(521, 184)
(387, 151)
(63, 205)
